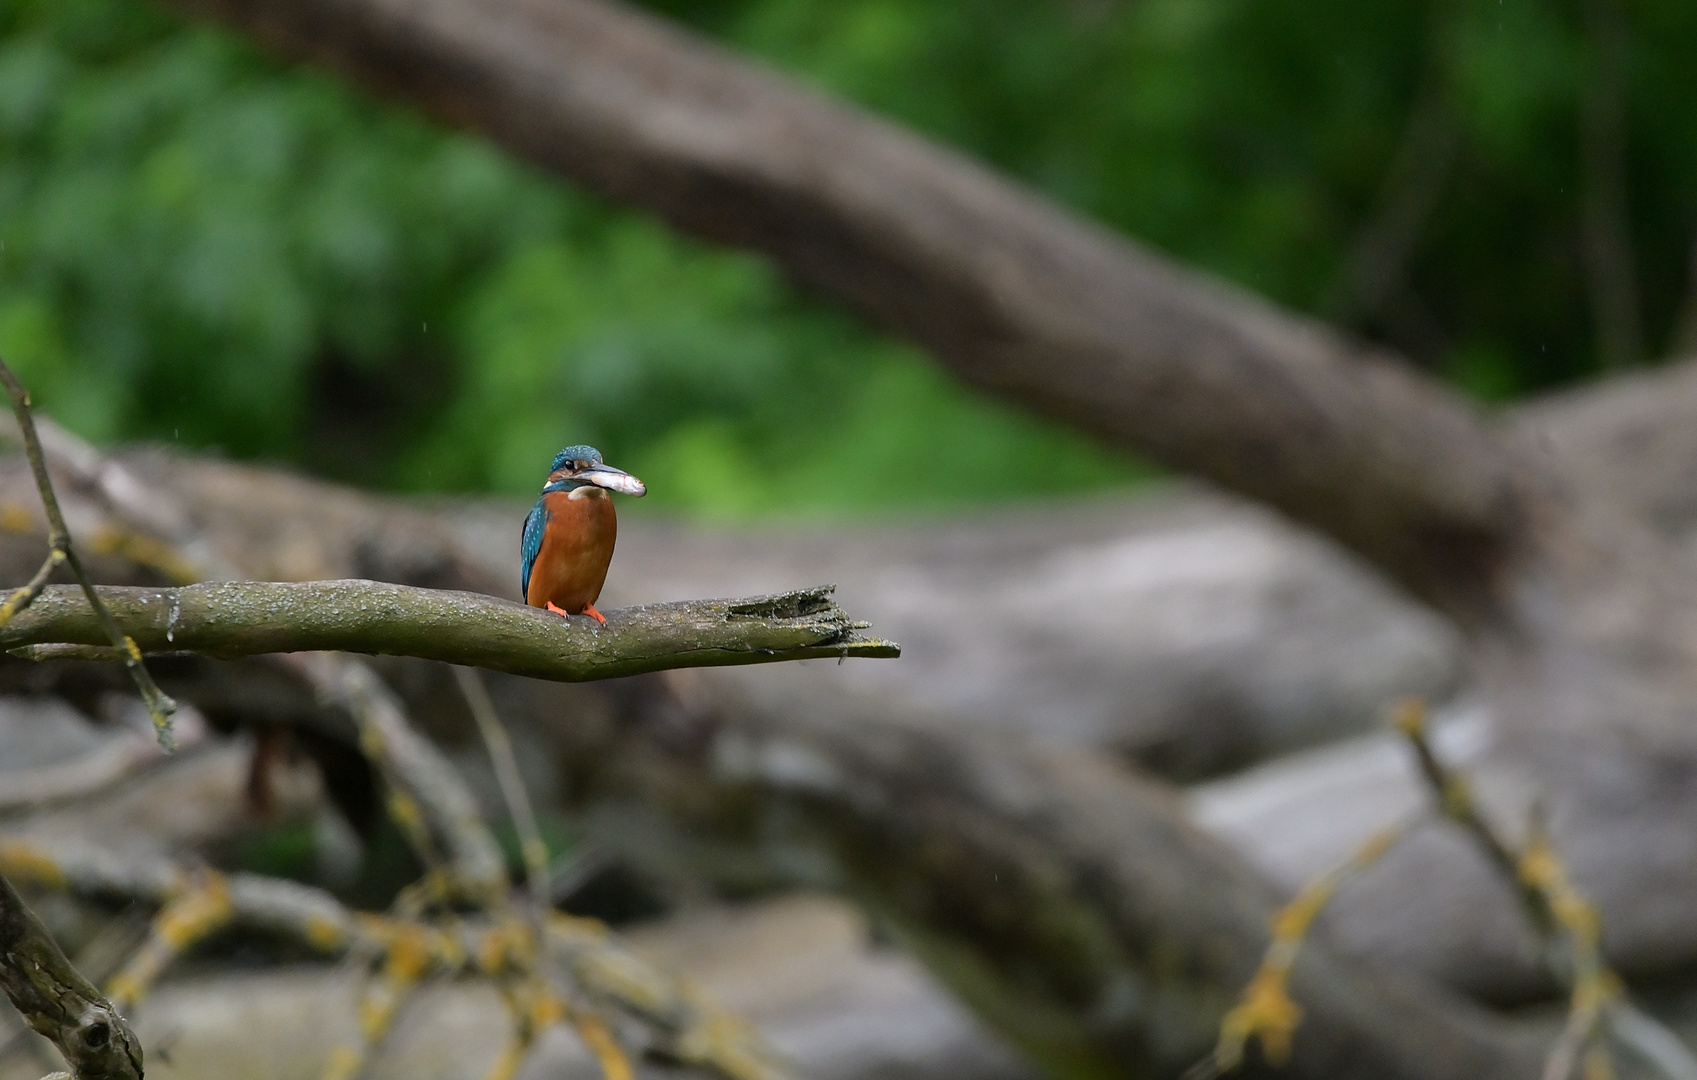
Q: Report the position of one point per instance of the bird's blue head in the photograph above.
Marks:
(577, 466)
(575, 457)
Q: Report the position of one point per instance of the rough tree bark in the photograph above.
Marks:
(58, 1002)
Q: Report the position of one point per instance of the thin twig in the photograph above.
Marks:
(412, 951)
(1558, 913)
(1576, 1035)
(202, 909)
(25, 596)
(427, 798)
(500, 747)
(1651, 1041)
(1455, 802)
(159, 706)
(1266, 1012)
(600, 1041)
(1594, 986)
(97, 769)
(597, 963)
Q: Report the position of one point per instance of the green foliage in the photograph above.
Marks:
(198, 244)
(191, 236)
(1257, 138)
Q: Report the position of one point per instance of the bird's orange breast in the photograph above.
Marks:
(577, 547)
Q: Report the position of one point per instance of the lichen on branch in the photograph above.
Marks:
(243, 618)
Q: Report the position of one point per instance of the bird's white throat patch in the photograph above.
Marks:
(588, 491)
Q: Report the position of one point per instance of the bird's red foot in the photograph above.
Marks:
(556, 609)
(589, 609)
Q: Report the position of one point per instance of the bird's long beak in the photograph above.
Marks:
(613, 480)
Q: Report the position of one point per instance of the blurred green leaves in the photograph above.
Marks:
(188, 232)
(198, 244)
(1258, 138)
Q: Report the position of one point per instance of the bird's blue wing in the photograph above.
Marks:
(530, 544)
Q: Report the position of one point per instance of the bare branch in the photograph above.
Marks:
(410, 952)
(426, 797)
(233, 619)
(439, 815)
(1652, 1041)
(1266, 1012)
(1560, 915)
(681, 1021)
(25, 595)
(500, 747)
(200, 908)
(58, 1002)
(96, 770)
(159, 706)
(1061, 892)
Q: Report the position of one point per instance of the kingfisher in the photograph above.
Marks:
(568, 536)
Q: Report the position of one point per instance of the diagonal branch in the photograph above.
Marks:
(1015, 295)
(500, 747)
(159, 706)
(427, 798)
(242, 618)
(58, 1002)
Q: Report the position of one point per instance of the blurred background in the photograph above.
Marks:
(203, 248)
(200, 246)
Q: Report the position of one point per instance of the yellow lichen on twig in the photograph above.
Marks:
(599, 1038)
(60, 552)
(144, 550)
(1595, 988)
(26, 862)
(1265, 1012)
(1562, 916)
(201, 909)
(410, 952)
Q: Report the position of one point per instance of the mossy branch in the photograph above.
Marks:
(234, 619)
